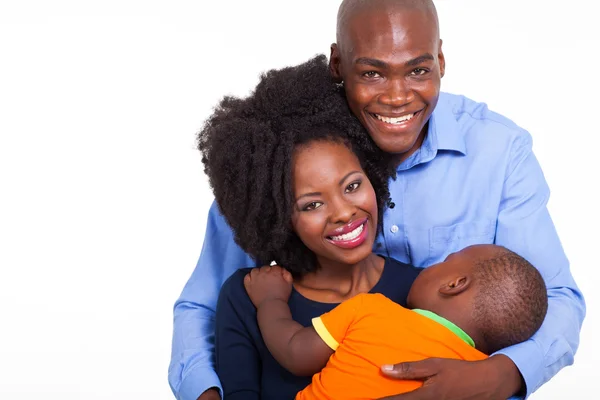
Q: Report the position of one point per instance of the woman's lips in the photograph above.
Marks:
(351, 239)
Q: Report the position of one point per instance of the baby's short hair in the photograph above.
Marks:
(511, 299)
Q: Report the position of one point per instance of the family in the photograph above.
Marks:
(372, 237)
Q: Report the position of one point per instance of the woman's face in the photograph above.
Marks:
(335, 208)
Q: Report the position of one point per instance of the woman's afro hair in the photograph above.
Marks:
(247, 146)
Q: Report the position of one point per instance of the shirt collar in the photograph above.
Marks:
(443, 133)
(443, 321)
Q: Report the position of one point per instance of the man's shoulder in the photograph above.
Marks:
(467, 110)
(480, 126)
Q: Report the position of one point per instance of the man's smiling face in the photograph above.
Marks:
(391, 63)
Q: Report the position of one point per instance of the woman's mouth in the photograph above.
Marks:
(352, 239)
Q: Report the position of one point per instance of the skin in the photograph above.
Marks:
(382, 58)
(448, 289)
(331, 191)
(390, 61)
(210, 394)
(382, 48)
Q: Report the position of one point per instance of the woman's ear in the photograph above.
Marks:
(455, 286)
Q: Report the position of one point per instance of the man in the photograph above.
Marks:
(465, 175)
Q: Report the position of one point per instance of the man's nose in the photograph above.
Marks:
(397, 93)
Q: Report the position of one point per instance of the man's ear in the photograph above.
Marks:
(334, 64)
(441, 60)
(456, 286)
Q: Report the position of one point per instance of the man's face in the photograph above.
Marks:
(391, 64)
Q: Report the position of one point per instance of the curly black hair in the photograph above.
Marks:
(247, 146)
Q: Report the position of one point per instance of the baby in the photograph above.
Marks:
(479, 300)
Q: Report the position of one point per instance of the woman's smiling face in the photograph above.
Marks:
(335, 208)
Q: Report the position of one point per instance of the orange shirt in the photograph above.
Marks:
(368, 331)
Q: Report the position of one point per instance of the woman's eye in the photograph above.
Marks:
(352, 187)
(312, 206)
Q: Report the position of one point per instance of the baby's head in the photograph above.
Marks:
(290, 164)
(492, 293)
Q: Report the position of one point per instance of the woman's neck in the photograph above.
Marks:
(335, 282)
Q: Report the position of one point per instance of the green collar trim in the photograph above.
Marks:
(441, 320)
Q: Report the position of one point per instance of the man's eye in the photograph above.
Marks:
(312, 206)
(352, 187)
(371, 74)
(419, 71)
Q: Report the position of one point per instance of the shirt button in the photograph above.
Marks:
(394, 228)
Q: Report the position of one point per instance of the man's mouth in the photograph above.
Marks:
(395, 120)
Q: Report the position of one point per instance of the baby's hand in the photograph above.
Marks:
(268, 283)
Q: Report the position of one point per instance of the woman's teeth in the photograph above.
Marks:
(350, 235)
(398, 120)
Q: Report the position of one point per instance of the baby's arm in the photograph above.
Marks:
(298, 349)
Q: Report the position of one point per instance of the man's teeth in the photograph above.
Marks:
(350, 235)
(398, 120)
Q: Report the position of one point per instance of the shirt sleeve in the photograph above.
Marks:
(332, 326)
(192, 369)
(525, 227)
(238, 362)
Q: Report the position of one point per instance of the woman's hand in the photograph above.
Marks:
(496, 377)
(268, 283)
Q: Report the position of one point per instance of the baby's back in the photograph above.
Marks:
(375, 332)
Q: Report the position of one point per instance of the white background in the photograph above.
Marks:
(102, 197)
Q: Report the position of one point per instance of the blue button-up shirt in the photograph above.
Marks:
(474, 180)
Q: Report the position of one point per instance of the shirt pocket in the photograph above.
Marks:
(445, 240)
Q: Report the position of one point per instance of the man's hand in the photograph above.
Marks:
(268, 283)
(210, 394)
(495, 378)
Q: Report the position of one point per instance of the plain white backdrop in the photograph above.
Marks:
(102, 196)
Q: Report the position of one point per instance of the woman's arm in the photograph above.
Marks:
(298, 349)
(238, 361)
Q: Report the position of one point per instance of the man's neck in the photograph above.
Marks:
(400, 158)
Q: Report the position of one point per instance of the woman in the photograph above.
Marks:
(288, 166)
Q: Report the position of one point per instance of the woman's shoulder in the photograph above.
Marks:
(233, 292)
(235, 281)
(396, 280)
(396, 267)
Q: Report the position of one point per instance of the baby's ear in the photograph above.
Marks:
(455, 286)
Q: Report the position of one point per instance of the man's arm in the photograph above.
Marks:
(298, 349)
(192, 371)
(525, 227)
